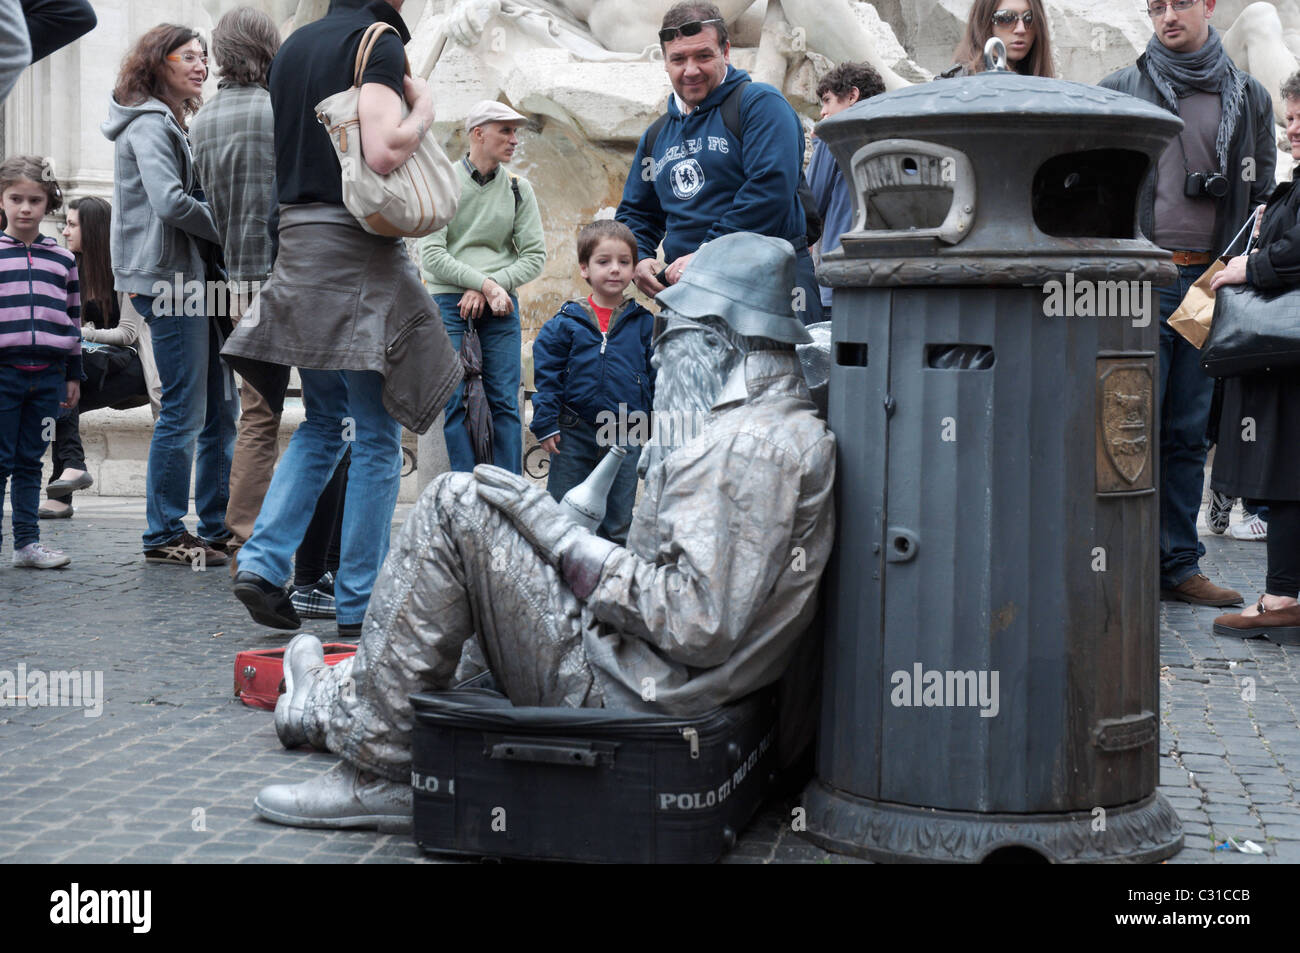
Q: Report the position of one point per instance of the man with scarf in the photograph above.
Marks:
(704, 605)
(1208, 180)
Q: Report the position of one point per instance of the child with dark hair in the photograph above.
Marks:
(40, 344)
(591, 365)
(839, 89)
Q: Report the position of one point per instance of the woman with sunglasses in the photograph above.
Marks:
(1021, 25)
(162, 235)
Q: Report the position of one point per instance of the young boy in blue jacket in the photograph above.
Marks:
(591, 367)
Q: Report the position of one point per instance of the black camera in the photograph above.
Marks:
(1199, 185)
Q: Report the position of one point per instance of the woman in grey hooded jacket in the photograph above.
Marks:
(160, 228)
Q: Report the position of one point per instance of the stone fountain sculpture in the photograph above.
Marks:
(591, 74)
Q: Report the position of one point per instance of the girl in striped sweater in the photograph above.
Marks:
(40, 344)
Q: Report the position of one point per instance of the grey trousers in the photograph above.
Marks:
(456, 568)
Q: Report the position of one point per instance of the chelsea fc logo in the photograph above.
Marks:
(687, 178)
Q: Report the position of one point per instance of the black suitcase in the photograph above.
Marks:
(587, 784)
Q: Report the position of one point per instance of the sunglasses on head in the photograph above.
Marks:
(1008, 18)
(693, 28)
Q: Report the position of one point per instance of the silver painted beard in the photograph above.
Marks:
(692, 369)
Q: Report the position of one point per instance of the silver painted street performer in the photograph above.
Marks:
(704, 605)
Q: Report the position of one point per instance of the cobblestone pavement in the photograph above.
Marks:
(168, 772)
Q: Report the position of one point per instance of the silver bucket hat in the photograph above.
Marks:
(745, 279)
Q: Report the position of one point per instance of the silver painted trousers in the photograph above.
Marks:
(457, 568)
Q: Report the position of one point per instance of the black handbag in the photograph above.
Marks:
(114, 377)
(1252, 333)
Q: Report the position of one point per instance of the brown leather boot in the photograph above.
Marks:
(1199, 591)
(1278, 625)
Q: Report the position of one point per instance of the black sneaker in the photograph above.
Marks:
(313, 601)
(351, 630)
(266, 602)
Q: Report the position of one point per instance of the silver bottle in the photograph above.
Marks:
(585, 503)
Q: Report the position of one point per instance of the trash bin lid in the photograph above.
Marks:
(996, 178)
(993, 94)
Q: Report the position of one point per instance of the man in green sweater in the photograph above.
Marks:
(474, 268)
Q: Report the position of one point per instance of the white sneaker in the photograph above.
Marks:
(1252, 527)
(36, 556)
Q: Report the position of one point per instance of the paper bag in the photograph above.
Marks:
(1193, 317)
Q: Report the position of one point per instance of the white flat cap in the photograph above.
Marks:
(489, 110)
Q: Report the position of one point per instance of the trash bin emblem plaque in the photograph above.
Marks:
(1124, 393)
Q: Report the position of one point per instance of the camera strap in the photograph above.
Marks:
(1183, 148)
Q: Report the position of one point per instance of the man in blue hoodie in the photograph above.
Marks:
(839, 89)
(695, 182)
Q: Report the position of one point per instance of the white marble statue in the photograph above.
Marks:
(789, 27)
(1264, 40)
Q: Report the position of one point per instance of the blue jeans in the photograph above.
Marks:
(806, 276)
(501, 339)
(578, 456)
(1185, 396)
(344, 408)
(29, 403)
(200, 405)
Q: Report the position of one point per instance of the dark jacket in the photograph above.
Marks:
(834, 204)
(1267, 467)
(1253, 139)
(700, 184)
(576, 366)
(53, 24)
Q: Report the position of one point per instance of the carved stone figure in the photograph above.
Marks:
(1264, 40)
(787, 27)
(705, 604)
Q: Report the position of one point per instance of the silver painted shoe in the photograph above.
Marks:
(303, 653)
(342, 797)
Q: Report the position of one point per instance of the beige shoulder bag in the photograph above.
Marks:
(419, 196)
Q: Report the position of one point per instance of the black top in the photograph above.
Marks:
(53, 24)
(92, 314)
(314, 63)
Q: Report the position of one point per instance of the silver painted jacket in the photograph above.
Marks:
(719, 577)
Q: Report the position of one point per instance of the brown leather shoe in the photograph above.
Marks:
(1199, 591)
(1277, 625)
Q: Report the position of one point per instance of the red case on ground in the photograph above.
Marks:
(259, 673)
